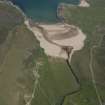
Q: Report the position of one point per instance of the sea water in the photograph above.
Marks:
(42, 10)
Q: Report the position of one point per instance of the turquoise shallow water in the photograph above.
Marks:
(41, 10)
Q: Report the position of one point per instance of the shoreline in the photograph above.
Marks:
(56, 48)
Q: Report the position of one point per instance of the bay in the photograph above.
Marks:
(41, 10)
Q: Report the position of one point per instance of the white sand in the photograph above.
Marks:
(77, 42)
(49, 49)
(83, 3)
(53, 50)
(56, 29)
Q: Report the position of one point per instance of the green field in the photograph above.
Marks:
(92, 22)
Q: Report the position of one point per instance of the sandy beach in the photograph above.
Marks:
(53, 47)
(84, 3)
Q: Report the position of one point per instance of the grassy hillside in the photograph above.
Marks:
(27, 75)
(92, 22)
(9, 19)
(97, 3)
